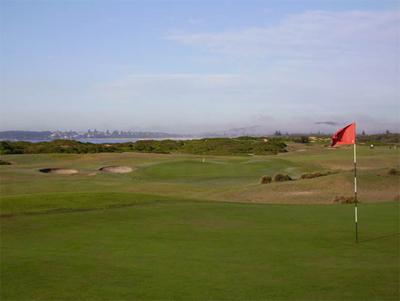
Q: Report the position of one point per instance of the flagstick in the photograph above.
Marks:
(355, 187)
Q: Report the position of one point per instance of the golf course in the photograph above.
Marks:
(147, 226)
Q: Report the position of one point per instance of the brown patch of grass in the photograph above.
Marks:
(343, 200)
(393, 172)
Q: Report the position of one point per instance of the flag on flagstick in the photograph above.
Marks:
(347, 135)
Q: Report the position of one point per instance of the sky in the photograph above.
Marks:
(200, 66)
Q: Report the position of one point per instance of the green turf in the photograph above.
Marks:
(203, 251)
(222, 178)
(176, 228)
(62, 202)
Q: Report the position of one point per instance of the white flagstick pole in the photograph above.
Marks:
(355, 187)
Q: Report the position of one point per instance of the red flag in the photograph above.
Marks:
(346, 135)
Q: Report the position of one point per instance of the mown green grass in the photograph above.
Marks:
(222, 178)
(59, 202)
(161, 174)
(203, 251)
(178, 228)
(242, 171)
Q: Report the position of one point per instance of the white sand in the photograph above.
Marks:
(116, 169)
(59, 171)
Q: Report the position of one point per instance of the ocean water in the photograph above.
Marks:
(105, 140)
(100, 141)
(94, 141)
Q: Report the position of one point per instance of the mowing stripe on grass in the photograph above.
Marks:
(59, 202)
(203, 251)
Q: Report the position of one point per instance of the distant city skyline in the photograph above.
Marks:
(200, 66)
(254, 131)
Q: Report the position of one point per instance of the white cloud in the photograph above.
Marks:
(311, 34)
(196, 21)
(315, 64)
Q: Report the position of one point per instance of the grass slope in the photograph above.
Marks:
(203, 251)
(222, 178)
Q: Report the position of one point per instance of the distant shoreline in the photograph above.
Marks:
(101, 140)
(169, 138)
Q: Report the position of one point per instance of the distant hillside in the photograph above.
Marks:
(25, 135)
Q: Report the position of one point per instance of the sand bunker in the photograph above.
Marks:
(116, 169)
(59, 171)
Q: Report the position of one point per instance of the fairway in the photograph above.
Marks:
(176, 227)
(203, 251)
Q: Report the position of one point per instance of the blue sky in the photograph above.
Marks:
(197, 66)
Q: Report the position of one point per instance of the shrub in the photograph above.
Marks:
(343, 200)
(287, 177)
(278, 177)
(249, 138)
(265, 180)
(4, 162)
(393, 172)
(305, 176)
(281, 177)
(7, 147)
(301, 139)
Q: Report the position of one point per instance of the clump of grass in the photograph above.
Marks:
(305, 176)
(281, 178)
(316, 174)
(265, 180)
(393, 172)
(343, 200)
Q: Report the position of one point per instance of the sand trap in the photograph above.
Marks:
(116, 169)
(59, 171)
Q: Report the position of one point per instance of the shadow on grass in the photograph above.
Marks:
(382, 237)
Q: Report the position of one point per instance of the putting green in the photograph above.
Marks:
(211, 169)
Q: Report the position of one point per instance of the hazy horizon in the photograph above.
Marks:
(200, 66)
(253, 130)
